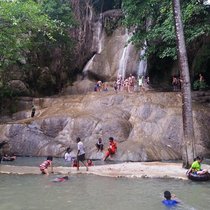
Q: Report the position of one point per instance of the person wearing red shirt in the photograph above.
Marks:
(112, 148)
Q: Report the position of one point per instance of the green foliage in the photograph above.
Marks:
(26, 25)
(200, 85)
(58, 11)
(30, 30)
(61, 15)
(111, 24)
(20, 21)
(153, 21)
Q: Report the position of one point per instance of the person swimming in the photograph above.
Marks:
(60, 179)
(168, 201)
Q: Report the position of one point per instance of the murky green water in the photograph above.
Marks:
(87, 192)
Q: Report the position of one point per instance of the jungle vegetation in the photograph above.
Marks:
(30, 30)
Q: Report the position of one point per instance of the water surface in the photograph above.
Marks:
(36, 161)
(88, 192)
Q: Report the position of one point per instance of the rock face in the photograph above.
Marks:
(115, 56)
(18, 87)
(147, 126)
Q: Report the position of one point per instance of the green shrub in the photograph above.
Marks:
(200, 85)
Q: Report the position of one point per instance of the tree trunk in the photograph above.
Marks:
(188, 145)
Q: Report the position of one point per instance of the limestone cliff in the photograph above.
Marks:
(147, 126)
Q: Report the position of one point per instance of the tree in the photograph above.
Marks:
(32, 30)
(161, 38)
(20, 22)
(161, 33)
(188, 149)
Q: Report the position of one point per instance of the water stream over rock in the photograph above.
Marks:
(142, 69)
(125, 56)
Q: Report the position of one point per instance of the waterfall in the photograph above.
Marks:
(142, 69)
(89, 63)
(97, 42)
(97, 35)
(125, 57)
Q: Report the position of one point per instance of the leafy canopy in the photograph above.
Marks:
(153, 21)
(26, 24)
(20, 21)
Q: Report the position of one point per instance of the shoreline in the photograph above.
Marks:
(129, 170)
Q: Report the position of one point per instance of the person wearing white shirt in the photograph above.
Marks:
(68, 156)
(80, 154)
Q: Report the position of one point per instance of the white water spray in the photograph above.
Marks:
(97, 42)
(89, 63)
(142, 69)
(125, 57)
(97, 35)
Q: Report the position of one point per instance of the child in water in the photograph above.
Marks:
(44, 166)
(74, 163)
(90, 162)
(168, 201)
(68, 156)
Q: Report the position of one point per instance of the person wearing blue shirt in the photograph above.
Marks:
(168, 201)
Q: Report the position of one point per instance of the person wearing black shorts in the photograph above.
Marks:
(80, 154)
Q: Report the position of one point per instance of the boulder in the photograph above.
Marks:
(18, 87)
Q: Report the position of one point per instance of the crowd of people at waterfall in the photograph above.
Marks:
(128, 84)
(131, 83)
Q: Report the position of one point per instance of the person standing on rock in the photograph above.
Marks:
(141, 83)
(33, 110)
(80, 154)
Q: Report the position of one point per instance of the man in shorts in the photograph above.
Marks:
(80, 154)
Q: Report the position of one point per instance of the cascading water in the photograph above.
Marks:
(97, 41)
(142, 69)
(99, 33)
(89, 63)
(125, 57)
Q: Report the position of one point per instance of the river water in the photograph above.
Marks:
(89, 192)
(36, 161)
